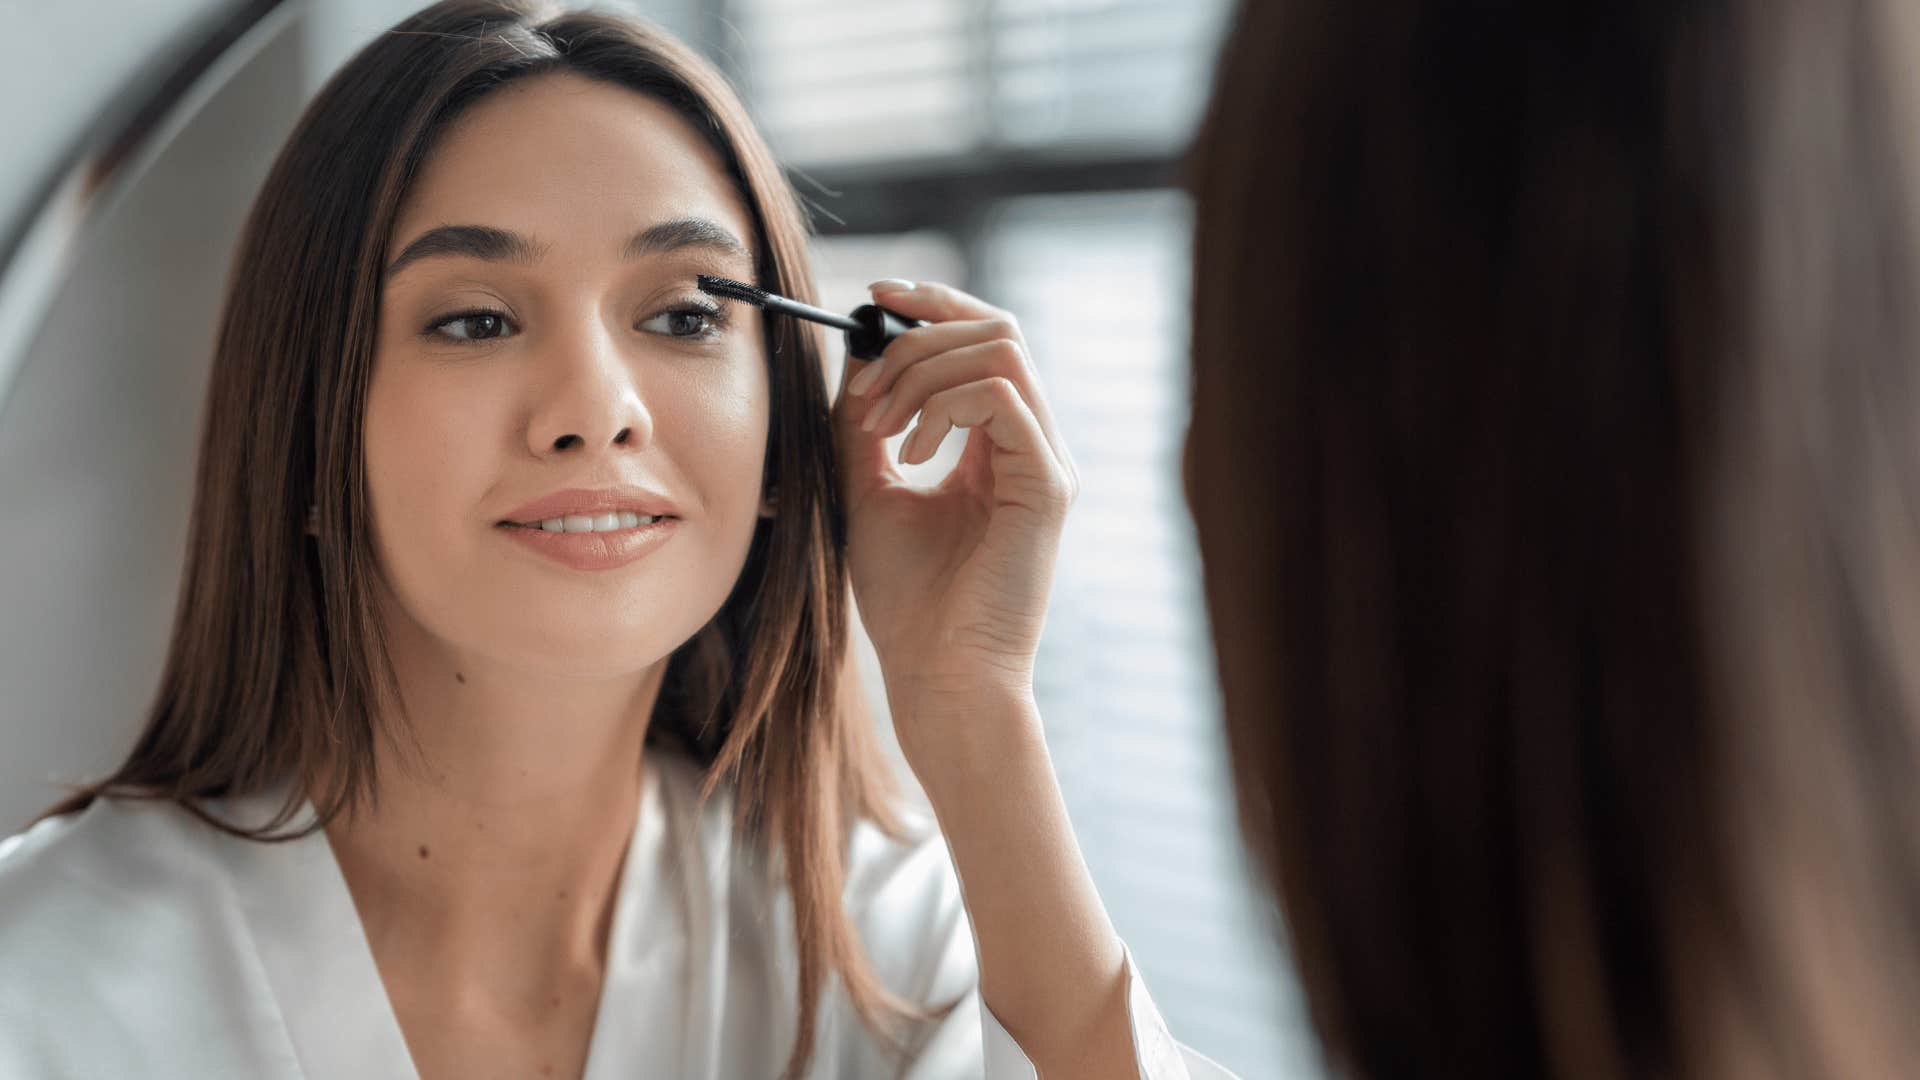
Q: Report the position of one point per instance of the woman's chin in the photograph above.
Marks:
(582, 653)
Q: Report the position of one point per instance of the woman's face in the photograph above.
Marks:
(575, 352)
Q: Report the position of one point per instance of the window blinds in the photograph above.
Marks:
(842, 81)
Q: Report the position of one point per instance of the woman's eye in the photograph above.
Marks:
(686, 322)
(471, 326)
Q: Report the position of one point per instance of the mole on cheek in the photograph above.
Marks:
(459, 678)
(423, 851)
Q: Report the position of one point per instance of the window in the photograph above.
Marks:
(1025, 151)
(1125, 677)
(840, 81)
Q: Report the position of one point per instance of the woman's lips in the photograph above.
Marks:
(594, 502)
(594, 550)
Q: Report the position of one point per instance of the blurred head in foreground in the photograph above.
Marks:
(1555, 462)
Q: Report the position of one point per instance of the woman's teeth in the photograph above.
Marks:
(579, 523)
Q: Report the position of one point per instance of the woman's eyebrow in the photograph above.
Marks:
(471, 241)
(681, 233)
(503, 245)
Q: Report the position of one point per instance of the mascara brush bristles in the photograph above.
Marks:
(766, 301)
(738, 290)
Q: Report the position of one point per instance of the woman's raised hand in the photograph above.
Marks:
(951, 581)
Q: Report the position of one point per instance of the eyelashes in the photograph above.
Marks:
(694, 320)
(495, 322)
(706, 318)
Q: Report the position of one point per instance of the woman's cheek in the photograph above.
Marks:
(421, 436)
(414, 421)
(731, 436)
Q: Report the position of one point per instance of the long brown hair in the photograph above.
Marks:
(276, 657)
(1554, 459)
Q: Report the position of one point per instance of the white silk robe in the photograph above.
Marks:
(136, 940)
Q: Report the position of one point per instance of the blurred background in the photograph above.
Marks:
(1025, 150)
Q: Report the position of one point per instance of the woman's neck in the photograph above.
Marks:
(515, 814)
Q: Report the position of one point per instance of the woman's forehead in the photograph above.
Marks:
(576, 164)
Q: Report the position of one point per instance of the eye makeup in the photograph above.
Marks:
(716, 317)
(714, 314)
(869, 329)
(436, 330)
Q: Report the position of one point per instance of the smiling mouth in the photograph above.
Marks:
(591, 523)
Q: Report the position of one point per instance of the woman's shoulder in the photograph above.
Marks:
(121, 883)
(112, 923)
(115, 858)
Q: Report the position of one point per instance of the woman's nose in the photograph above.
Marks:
(589, 397)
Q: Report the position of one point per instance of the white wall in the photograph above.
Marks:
(69, 65)
(98, 428)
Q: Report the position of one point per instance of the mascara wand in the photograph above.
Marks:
(870, 328)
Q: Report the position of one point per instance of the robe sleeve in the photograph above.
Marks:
(1155, 1053)
(920, 937)
(967, 1040)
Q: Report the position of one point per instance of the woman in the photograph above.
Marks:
(502, 764)
(1553, 460)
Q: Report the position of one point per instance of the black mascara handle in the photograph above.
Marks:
(878, 327)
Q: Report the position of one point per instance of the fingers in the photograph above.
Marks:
(980, 341)
(863, 458)
(996, 408)
(877, 376)
(931, 301)
(967, 363)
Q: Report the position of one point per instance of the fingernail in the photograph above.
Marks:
(864, 381)
(873, 415)
(892, 284)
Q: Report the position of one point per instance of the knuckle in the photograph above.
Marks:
(1062, 490)
(1003, 389)
(1006, 356)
